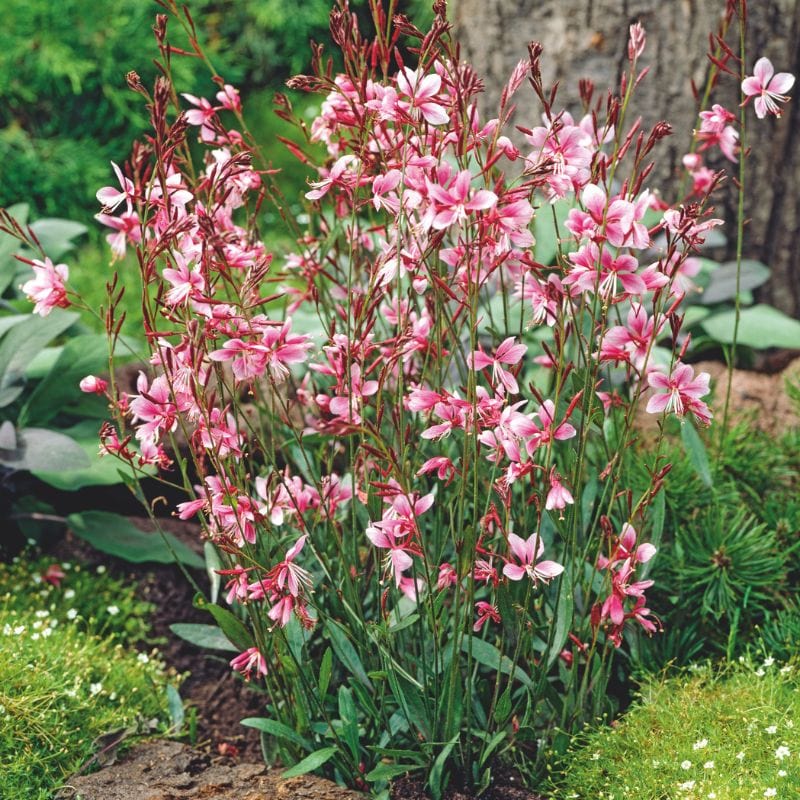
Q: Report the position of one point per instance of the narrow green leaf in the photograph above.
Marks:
(346, 653)
(349, 718)
(231, 625)
(310, 763)
(437, 771)
(213, 564)
(488, 655)
(277, 729)
(175, 708)
(565, 606)
(696, 451)
(385, 772)
(325, 669)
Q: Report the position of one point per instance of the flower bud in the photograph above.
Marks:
(92, 385)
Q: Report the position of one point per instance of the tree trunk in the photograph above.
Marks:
(588, 39)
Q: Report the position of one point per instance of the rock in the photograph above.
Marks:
(169, 770)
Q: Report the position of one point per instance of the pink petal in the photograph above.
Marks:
(547, 570)
(657, 403)
(751, 86)
(763, 70)
(781, 83)
(519, 547)
(514, 572)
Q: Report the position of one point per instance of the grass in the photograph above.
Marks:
(724, 733)
(69, 674)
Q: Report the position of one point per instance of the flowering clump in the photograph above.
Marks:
(380, 487)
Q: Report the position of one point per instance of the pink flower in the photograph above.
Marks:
(47, 289)
(768, 88)
(506, 353)
(485, 611)
(92, 385)
(680, 392)
(423, 92)
(454, 203)
(111, 197)
(289, 574)
(54, 575)
(559, 496)
(528, 551)
(248, 662)
(201, 116)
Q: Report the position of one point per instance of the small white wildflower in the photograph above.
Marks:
(37, 579)
(789, 723)
(70, 693)
(769, 661)
(112, 696)
(782, 773)
(700, 745)
(42, 613)
(66, 565)
(95, 688)
(761, 672)
(686, 764)
(101, 569)
(771, 729)
(785, 670)
(69, 594)
(6, 630)
(782, 752)
(36, 625)
(113, 610)
(46, 632)
(35, 637)
(686, 786)
(72, 613)
(740, 756)
(770, 792)
(708, 765)
(595, 756)
(712, 795)
(18, 630)
(143, 658)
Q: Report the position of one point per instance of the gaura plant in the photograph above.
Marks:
(406, 441)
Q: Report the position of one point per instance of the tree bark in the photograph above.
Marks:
(588, 39)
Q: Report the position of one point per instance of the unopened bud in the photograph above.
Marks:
(92, 385)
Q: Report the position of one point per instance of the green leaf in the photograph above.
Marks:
(488, 655)
(722, 283)
(101, 470)
(385, 772)
(55, 235)
(437, 771)
(276, 729)
(118, 536)
(310, 763)
(503, 708)
(349, 718)
(41, 449)
(213, 564)
(80, 356)
(209, 637)
(346, 653)
(565, 607)
(696, 451)
(20, 344)
(231, 625)
(175, 708)
(759, 327)
(325, 669)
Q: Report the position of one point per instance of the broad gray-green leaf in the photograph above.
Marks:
(20, 344)
(759, 327)
(80, 356)
(99, 470)
(118, 536)
(722, 282)
(209, 637)
(42, 449)
(56, 235)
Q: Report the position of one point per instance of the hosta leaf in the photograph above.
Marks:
(759, 327)
(209, 637)
(118, 536)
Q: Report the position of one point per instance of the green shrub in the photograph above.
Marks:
(67, 676)
(728, 734)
